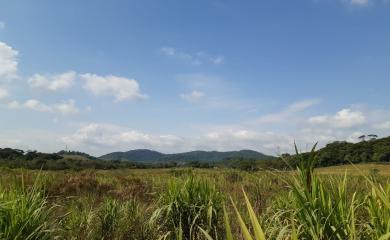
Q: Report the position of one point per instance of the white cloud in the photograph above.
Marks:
(53, 82)
(101, 138)
(3, 93)
(65, 107)
(195, 59)
(107, 137)
(192, 96)
(119, 87)
(345, 118)
(383, 125)
(36, 105)
(227, 139)
(8, 61)
(289, 111)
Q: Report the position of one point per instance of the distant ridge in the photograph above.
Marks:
(138, 155)
(149, 156)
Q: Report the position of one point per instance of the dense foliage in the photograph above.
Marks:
(15, 158)
(337, 153)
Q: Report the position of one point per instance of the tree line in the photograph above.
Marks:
(335, 153)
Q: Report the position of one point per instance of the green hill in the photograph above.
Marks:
(138, 155)
(149, 156)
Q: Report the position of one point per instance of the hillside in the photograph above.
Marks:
(75, 155)
(149, 156)
(138, 155)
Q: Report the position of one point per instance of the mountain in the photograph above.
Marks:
(149, 156)
(138, 155)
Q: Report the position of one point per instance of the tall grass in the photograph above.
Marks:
(378, 208)
(24, 214)
(186, 206)
(315, 209)
(324, 213)
(189, 204)
(79, 222)
(109, 217)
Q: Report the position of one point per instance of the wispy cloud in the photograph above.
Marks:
(192, 96)
(2, 25)
(65, 107)
(359, 2)
(288, 112)
(195, 59)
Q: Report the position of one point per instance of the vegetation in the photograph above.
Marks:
(153, 157)
(15, 158)
(192, 204)
(24, 214)
(188, 206)
(336, 153)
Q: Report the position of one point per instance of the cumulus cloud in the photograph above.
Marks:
(53, 82)
(8, 61)
(192, 96)
(108, 137)
(65, 107)
(102, 138)
(3, 93)
(195, 59)
(345, 118)
(120, 88)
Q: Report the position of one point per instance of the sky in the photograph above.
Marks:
(177, 75)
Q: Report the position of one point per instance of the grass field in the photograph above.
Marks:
(359, 169)
(189, 203)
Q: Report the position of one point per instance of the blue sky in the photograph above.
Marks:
(101, 76)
